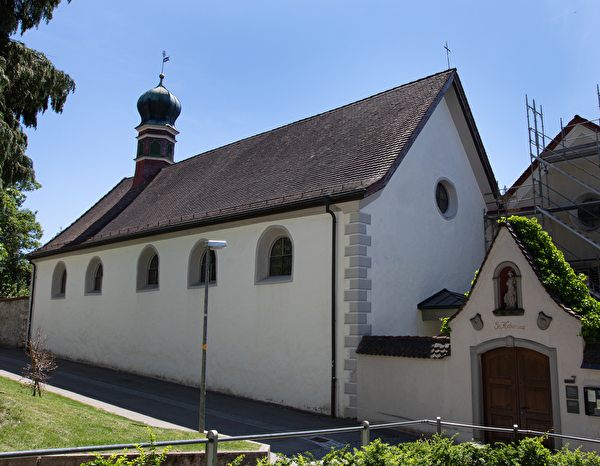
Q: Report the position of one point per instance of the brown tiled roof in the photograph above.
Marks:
(406, 347)
(346, 153)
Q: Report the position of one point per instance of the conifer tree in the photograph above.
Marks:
(29, 84)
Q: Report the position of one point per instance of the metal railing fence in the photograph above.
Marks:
(212, 438)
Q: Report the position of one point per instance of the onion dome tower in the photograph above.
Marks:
(158, 109)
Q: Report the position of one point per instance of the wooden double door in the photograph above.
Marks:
(516, 390)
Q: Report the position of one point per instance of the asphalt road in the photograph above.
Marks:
(179, 405)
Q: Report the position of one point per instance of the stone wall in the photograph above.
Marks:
(13, 321)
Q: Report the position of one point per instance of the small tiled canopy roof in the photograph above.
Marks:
(407, 347)
(346, 153)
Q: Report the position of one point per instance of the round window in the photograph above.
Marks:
(441, 197)
(588, 213)
(445, 198)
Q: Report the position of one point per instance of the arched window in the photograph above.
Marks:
(170, 150)
(94, 276)
(212, 268)
(98, 278)
(280, 259)
(148, 270)
(59, 281)
(507, 290)
(197, 266)
(274, 256)
(155, 148)
(140, 148)
(63, 282)
(153, 271)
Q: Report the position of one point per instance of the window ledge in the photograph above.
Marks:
(202, 285)
(275, 279)
(59, 296)
(509, 312)
(147, 288)
(93, 293)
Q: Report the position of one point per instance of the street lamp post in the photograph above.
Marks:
(208, 245)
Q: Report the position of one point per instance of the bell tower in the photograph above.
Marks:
(158, 109)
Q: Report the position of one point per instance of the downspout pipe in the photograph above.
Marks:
(31, 295)
(327, 201)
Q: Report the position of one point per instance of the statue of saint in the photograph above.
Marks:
(510, 298)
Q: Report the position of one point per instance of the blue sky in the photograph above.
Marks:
(244, 67)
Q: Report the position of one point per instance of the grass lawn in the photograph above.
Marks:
(53, 421)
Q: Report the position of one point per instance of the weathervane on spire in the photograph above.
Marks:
(447, 54)
(165, 59)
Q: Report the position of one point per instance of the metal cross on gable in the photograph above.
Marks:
(447, 53)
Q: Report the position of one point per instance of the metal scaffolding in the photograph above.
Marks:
(562, 190)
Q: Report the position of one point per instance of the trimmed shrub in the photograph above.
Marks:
(442, 451)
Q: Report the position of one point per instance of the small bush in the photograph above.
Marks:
(149, 457)
(37, 372)
(442, 451)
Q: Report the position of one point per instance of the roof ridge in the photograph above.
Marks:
(312, 117)
(341, 152)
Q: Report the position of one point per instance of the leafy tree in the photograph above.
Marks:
(29, 82)
(19, 233)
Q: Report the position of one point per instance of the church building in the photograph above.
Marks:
(338, 226)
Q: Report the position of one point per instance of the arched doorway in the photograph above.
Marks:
(516, 390)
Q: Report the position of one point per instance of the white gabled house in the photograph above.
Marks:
(514, 357)
(561, 188)
(337, 226)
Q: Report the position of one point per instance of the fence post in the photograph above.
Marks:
(365, 435)
(211, 448)
(515, 433)
(439, 425)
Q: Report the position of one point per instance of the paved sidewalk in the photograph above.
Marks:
(166, 404)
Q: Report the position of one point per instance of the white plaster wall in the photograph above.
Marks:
(268, 341)
(535, 299)
(561, 336)
(397, 389)
(416, 251)
(393, 388)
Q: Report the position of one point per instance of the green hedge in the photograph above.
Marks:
(441, 451)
